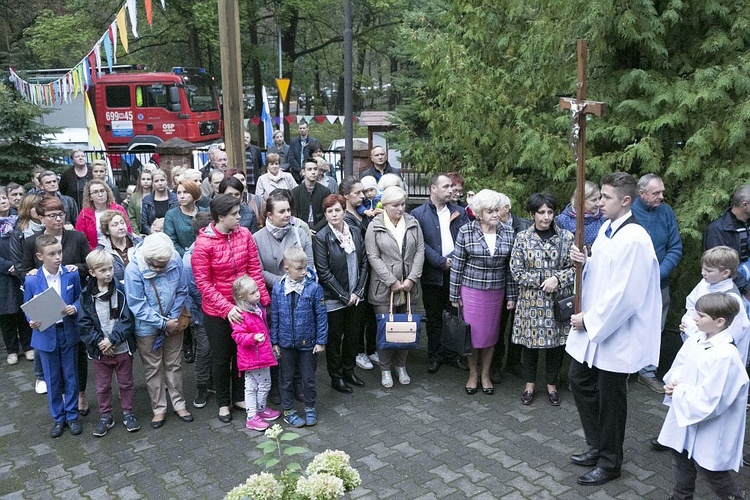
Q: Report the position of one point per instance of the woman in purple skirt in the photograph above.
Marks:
(480, 280)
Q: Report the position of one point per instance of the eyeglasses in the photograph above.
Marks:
(57, 216)
(157, 265)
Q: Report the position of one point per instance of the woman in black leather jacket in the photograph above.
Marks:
(343, 270)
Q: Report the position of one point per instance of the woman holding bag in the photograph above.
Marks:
(541, 265)
(395, 249)
(480, 281)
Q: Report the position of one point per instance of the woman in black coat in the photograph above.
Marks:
(342, 267)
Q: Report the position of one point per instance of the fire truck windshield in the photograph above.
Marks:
(200, 93)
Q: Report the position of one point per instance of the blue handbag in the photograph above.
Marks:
(399, 331)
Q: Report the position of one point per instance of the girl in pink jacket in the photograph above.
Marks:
(254, 354)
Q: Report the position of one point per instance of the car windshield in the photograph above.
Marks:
(200, 93)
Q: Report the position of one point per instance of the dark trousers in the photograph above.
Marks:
(203, 368)
(513, 350)
(602, 401)
(553, 363)
(16, 330)
(344, 328)
(83, 367)
(366, 343)
(60, 374)
(685, 471)
(291, 361)
(229, 386)
(435, 299)
(121, 366)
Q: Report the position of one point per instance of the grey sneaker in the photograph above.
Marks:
(200, 397)
(130, 422)
(105, 424)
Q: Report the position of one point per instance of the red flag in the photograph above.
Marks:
(255, 120)
(149, 13)
(320, 119)
(290, 119)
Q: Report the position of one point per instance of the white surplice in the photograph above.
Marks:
(707, 414)
(621, 299)
(740, 327)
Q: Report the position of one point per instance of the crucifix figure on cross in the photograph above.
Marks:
(579, 108)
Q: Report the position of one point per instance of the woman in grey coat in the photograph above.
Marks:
(395, 249)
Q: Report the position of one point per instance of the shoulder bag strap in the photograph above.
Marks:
(158, 300)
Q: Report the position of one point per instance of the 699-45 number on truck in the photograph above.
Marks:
(118, 115)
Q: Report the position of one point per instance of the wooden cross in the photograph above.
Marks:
(579, 108)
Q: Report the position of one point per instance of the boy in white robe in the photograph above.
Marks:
(707, 383)
(718, 268)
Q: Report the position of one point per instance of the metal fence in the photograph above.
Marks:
(125, 167)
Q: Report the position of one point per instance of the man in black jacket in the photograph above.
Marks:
(308, 197)
(297, 151)
(439, 220)
(731, 230)
(380, 164)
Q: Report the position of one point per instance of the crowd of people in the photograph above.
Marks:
(256, 274)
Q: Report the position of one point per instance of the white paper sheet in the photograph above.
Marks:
(46, 307)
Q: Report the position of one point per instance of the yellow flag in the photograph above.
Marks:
(95, 140)
(122, 29)
(74, 74)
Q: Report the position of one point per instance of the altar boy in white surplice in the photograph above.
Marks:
(617, 331)
(708, 385)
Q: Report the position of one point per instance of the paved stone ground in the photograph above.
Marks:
(427, 440)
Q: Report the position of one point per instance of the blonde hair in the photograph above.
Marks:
(87, 203)
(98, 258)
(239, 288)
(294, 255)
(589, 189)
(722, 258)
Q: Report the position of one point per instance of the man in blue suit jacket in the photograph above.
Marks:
(57, 346)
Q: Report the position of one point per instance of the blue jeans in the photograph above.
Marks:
(307, 363)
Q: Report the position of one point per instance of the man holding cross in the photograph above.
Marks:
(612, 336)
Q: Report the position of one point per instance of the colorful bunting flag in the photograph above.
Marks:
(149, 13)
(120, 20)
(130, 4)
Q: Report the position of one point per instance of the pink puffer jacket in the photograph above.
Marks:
(252, 355)
(219, 259)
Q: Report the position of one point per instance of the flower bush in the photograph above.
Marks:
(329, 475)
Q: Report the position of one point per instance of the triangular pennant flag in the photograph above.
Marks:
(149, 12)
(108, 51)
(320, 118)
(277, 120)
(98, 58)
(341, 119)
(130, 4)
(86, 73)
(300, 119)
(65, 89)
(123, 30)
(309, 118)
(163, 5)
(95, 140)
(331, 119)
(113, 37)
(290, 119)
(255, 121)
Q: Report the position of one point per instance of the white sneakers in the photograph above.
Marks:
(374, 358)
(363, 361)
(12, 358)
(40, 387)
(29, 355)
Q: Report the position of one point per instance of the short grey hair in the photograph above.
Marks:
(644, 181)
(486, 199)
(157, 246)
(741, 194)
(504, 200)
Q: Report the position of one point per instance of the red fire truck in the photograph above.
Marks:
(137, 111)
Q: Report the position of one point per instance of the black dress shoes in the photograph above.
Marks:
(458, 362)
(57, 430)
(353, 379)
(587, 458)
(554, 398)
(433, 366)
(655, 444)
(224, 419)
(341, 386)
(188, 417)
(527, 398)
(75, 427)
(597, 476)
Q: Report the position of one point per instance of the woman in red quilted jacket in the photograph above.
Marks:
(223, 252)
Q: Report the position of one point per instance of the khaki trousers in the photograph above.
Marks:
(163, 371)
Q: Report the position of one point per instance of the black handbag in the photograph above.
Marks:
(564, 305)
(456, 335)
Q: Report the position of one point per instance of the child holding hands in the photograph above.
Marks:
(299, 331)
(254, 354)
(707, 388)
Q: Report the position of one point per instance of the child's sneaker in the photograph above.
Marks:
(130, 423)
(311, 417)
(105, 424)
(269, 414)
(292, 418)
(256, 423)
(363, 361)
